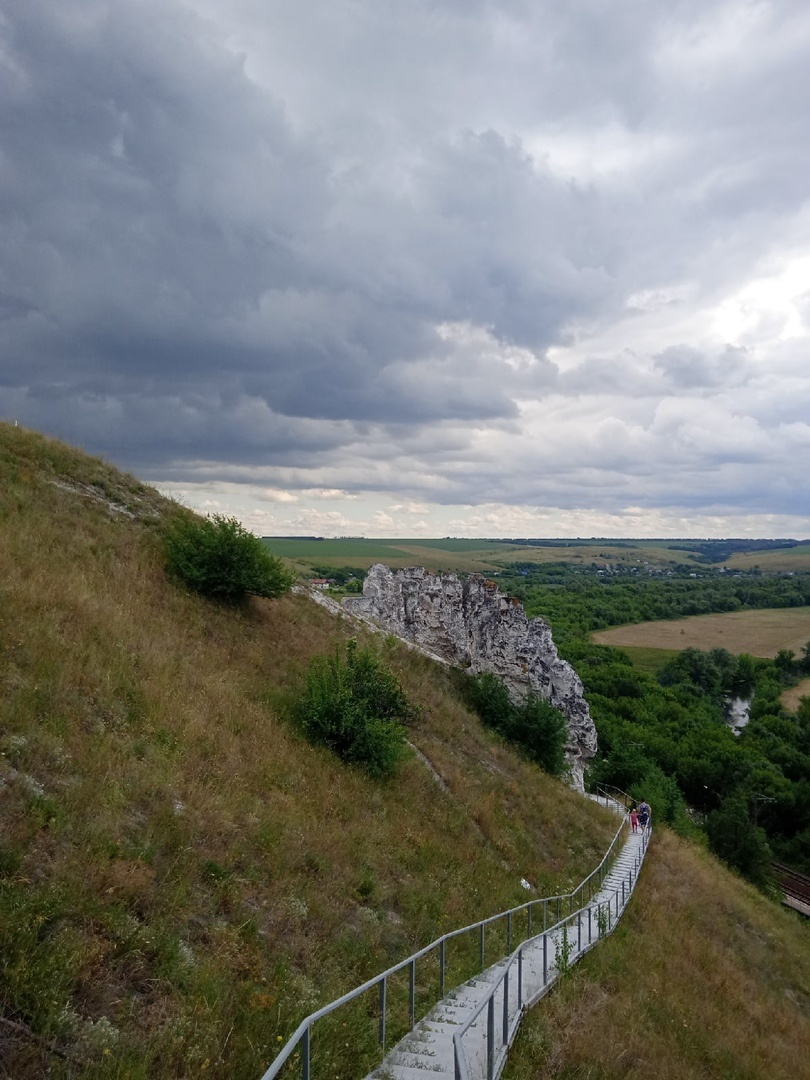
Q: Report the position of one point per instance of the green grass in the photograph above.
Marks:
(485, 556)
(704, 979)
(320, 550)
(649, 660)
(183, 877)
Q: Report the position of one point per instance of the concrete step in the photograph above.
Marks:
(406, 1072)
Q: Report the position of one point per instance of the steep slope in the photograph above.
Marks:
(183, 877)
(705, 979)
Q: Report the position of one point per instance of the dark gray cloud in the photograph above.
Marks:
(465, 252)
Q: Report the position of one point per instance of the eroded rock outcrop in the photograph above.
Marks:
(471, 622)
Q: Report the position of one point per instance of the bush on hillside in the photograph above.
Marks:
(355, 705)
(220, 559)
(536, 727)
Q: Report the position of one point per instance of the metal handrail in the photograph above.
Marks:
(302, 1034)
(610, 790)
(509, 1029)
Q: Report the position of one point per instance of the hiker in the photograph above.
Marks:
(644, 814)
(634, 819)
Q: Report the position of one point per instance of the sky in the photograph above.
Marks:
(443, 267)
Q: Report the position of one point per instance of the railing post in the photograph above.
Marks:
(545, 915)
(441, 966)
(590, 935)
(579, 931)
(545, 959)
(520, 979)
(491, 1038)
(505, 1031)
(412, 993)
(482, 946)
(382, 1011)
(529, 911)
(509, 933)
(305, 1055)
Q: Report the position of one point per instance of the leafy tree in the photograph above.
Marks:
(488, 696)
(738, 842)
(785, 661)
(220, 559)
(534, 725)
(541, 731)
(355, 705)
(742, 682)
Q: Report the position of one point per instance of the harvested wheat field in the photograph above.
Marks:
(792, 697)
(759, 633)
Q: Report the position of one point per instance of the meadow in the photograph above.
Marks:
(758, 633)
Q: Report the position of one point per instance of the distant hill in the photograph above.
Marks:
(183, 877)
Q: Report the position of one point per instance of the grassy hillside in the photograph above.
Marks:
(183, 877)
(703, 980)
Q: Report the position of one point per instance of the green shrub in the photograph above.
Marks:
(355, 705)
(220, 559)
(536, 727)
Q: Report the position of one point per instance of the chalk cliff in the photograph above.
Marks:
(471, 622)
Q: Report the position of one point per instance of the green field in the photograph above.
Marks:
(467, 556)
(485, 556)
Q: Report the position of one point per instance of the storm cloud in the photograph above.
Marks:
(356, 266)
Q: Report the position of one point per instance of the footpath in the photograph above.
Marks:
(468, 1033)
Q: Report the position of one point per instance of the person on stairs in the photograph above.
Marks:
(644, 814)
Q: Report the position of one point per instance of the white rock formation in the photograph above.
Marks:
(472, 623)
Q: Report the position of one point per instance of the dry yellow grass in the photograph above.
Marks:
(791, 698)
(782, 559)
(182, 876)
(704, 980)
(206, 875)
(759, 633)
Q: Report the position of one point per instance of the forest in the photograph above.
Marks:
(663, 735)
(578, 600)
